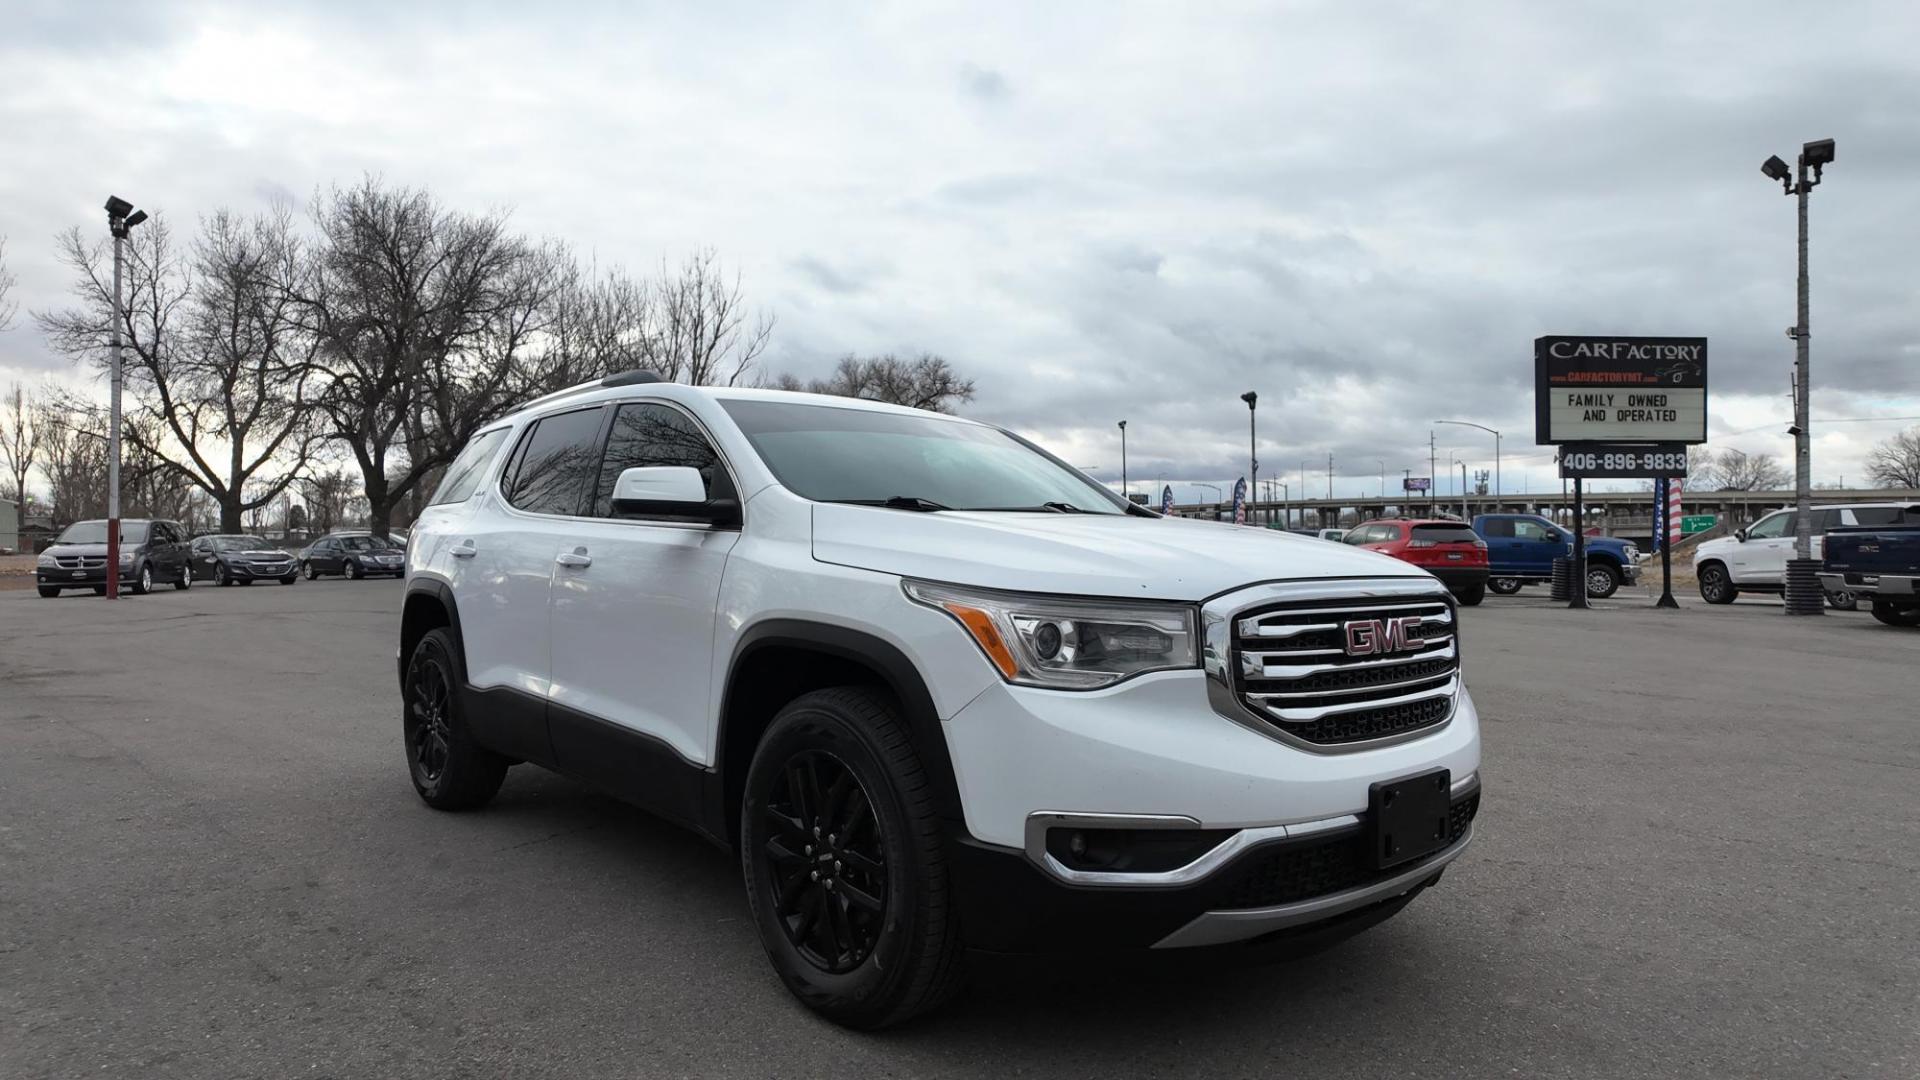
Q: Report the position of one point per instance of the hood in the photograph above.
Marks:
(1082, 554)
(254, 553)
(96, 550)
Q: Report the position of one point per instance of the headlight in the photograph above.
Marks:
(46, 560)
(1633, 553)
(1067, 644)
(126, 558)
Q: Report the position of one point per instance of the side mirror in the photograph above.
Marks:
(1740, 535)
(674, 492)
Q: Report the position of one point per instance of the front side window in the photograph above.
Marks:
(555, 460)
(1825, 521)
(1534, 530)
(645, 435)
(463, 476)
(834, 454)
(1772, 527)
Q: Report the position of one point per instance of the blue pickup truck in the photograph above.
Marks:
(1879, 563)
(1521, 549)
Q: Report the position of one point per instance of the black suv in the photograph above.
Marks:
(150, 551)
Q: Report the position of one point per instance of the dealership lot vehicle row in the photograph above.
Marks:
(1705, 865)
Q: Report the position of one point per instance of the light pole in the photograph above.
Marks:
(1453, 460)
(1123, 461)
(121, 218)
(1383, 483)
(1253, 452)
(1303, 495)
(1496, 450)
(1802, 588)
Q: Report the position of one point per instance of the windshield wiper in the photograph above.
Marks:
(1059, 507)
(897, 502)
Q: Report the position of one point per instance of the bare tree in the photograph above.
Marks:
(1896, 461)
(327, 495)
(1748, 472)
(421, 315)
(924, 382)
(214, 360)
(73, 460)
(703, 332)
(19, 443)
(7, 281)
(597, 323)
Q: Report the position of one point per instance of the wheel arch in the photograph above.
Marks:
(429, 606)
(776, 661)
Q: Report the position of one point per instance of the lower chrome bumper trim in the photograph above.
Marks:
(1222, 927)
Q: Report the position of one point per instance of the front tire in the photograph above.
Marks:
(289, 579)
(1471, 595)
(450, 770)
(1715, 586)
(845, 871)
(221, 576)
(353, 570)
(186, 578)
(1504, 586)
(1843, 601)
(143, 582)
(1603, 580)
(48, 592)
(307, 569)
(1894, 616)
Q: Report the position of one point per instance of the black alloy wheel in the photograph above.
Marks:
(1843, 600)
(449, 770)
(829, 866)
(429, 737)
(221, 575)
(186, 577)
(1715, 586)
(143, 582)
(353, 569)
(845, 866)
(307, 569)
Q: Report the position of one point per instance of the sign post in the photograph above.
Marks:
(1620, 408)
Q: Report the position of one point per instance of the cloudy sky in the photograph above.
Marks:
(1100, 212)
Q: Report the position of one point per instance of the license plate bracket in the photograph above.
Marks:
(1408, 816)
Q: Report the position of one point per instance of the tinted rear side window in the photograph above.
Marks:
(1445, 534)
(463, 476)
(1887, 515)
(556, 459)
(645, 434)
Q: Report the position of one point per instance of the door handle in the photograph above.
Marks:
(575, 559)
(464, 550)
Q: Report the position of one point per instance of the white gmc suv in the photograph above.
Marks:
(938, 690)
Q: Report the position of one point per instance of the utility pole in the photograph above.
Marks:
(121, 218)
(1433, 471)
(1803, 593)
(1329, 476)
(1123, 461)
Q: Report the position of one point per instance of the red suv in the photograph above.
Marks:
(1449, 550)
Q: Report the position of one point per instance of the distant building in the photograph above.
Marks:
(10, 526)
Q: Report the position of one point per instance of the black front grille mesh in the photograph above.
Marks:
(1303, 870)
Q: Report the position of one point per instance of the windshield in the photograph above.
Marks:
(95, 532)
(922, 462)
(237, 543)
(363, 543)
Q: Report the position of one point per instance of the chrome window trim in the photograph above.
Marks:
(1221, 615)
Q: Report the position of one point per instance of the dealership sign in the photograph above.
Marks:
(1620, 389)
(1416, 483)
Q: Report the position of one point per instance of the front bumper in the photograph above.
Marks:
(244, 571)
(95, 575)
(1273, 887)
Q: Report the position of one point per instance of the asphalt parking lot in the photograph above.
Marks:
(1699, 856)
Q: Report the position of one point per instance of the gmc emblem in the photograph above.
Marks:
(1369, 637)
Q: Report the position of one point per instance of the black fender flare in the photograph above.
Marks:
(896, 671)
(441, 592)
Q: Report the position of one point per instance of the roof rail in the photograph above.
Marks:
(636, 377)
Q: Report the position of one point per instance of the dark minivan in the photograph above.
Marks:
(150, 552)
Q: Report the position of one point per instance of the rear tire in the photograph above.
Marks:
(450, 771)
(1504, 586)
(1894, 616)
(1715, 586)
(842, 757)
(1843, 601)
(51, 591)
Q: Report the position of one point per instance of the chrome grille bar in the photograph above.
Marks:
(1309, 714)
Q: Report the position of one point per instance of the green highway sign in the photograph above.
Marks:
(1693, 523)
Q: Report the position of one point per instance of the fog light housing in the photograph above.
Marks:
(1131, 851)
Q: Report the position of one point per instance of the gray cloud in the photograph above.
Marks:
(1367, 221)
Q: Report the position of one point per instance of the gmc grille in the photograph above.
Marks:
(1292, 669)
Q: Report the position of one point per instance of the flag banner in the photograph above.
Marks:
(1240, 501)
(1166, 499)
